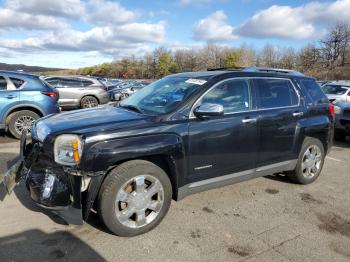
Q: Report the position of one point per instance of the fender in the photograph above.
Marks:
(318, 127)
(102, 157)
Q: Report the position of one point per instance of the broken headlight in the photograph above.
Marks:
(68, 150)
(41, 130)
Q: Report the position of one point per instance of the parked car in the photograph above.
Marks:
(24, 98)
(337, 91)
(342, 117)
(322, 82)
(122, 92)
(183, 134)
(79, 91)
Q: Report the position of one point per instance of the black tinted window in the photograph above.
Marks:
(17, 82)
(53, 81)
(86, 82)
(70, 82)
(3, 83)
(314, 91)
(276, 93)
(233, 95)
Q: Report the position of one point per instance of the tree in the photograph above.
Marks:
(231, 60)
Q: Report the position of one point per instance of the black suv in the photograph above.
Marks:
(180, 135)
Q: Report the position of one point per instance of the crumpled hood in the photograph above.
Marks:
(94, 119)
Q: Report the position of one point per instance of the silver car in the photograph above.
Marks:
(79, 91)
(337, 91)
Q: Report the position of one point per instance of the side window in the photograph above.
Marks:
(70, 82)
(233, 95)
(53, 81)
(314, 91)
(274, 93)
(86, 82)
(17, 82)
(3, 83)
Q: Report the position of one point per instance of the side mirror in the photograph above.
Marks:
(208, 109)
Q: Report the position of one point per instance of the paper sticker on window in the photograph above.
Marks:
(195, 81)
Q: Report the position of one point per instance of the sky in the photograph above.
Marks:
(79, 33)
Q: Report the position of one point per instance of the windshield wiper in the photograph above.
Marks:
(132, 108)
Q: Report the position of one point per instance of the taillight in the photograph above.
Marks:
(50, 94)
(104, 87)
(331, 110)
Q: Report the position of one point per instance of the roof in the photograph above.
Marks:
(339, 82)
(18, 73)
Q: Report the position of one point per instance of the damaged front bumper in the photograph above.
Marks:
(50, 185)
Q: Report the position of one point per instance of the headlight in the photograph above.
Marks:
(41, 131)
(68, 150)
(337, 110)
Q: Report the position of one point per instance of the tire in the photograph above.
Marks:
(339, 136)
(21, 120)
(301, 175)
(88, 102)
(121, 210)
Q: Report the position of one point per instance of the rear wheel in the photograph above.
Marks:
(20, 121)
(88, 102)
(134, 198)
(310, 162)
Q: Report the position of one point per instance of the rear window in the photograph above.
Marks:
(17, 82)
(314, 91)
(3, 83)
(276, 93)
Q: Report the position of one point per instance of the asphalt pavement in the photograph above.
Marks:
(265, 219)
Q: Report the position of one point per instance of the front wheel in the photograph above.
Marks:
(310, 162)
(134, 198)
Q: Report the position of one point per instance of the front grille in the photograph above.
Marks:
(346, 112)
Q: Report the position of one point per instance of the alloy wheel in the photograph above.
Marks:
(311, 162)
(24, 122)
(139, 201)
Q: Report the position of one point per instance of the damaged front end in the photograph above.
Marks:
(52, 186)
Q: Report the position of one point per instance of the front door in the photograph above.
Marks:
(226, 144)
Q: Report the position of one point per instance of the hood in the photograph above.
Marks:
(91, 120)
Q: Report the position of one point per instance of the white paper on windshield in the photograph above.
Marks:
(195, 81)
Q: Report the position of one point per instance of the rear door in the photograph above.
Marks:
(280, 110)
(71, 90)
(9, 97)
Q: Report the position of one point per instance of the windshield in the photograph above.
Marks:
(335, 89)
(164, 95)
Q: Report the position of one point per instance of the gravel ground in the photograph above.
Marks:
(266, 219)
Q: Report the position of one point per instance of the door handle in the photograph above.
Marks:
(10, 96)
(249, 120)
(298, 113)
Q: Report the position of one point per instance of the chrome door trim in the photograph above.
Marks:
(192, 116)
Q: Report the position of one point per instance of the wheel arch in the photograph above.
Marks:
(22, 107)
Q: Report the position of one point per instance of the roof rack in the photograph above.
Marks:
(272, 70)
(226, 69)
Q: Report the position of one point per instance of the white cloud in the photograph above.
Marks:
(103, 12)
(60, 8)
(213, 28)
(294, 22)
(10, 19)
(277, 21)
(103, 39)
